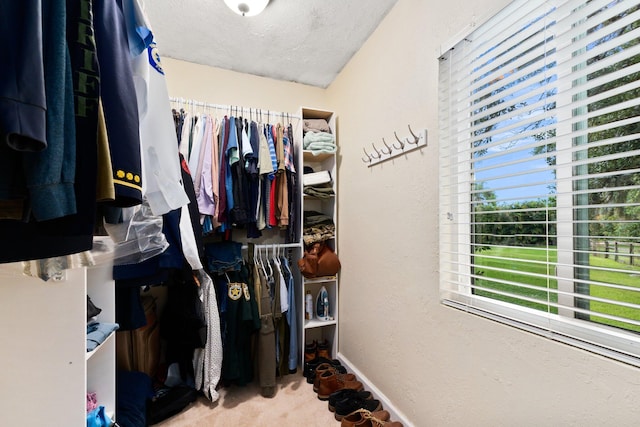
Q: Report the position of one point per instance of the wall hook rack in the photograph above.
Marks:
(412, 143)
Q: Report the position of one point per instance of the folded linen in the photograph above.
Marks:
(312, 137)
(316, 125)
(98, 332)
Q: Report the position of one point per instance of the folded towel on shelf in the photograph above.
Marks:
(321, 147)
(316, 125)
(319, 142)
(98, 332)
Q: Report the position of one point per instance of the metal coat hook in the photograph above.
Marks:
(368, 159)
(378, 153)
(389, 149)
(416, 138)
(398, 148)
(398, 139)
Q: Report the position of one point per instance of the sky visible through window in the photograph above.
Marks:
(521, 95)
(514, 175)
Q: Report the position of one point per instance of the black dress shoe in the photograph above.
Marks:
(345, 393)
(350, 404)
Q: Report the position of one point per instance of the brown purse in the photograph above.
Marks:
(319, 260)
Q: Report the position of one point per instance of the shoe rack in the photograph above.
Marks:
(315, 329)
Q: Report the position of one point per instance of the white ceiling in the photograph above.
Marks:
(303, 41)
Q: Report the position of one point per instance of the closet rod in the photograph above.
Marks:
(229, 107)
(271, 245)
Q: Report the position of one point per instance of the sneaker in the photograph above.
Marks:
(351, 404)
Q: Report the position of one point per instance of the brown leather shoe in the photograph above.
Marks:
(331, 382)
(344, 375)
(356, 417)
(323, 349)
(310, 351)
(374, 422)
(323, 367)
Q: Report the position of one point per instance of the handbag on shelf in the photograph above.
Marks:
(319, 260)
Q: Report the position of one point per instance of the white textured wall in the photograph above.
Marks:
(439, 366)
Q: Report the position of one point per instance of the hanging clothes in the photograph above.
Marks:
(253, 177)
(161, 178)
(266, 344)
(120, 102)
(207, 360)
(24, 237)
(243, 172)
(241, 321)
(292, 180)
(291, 316)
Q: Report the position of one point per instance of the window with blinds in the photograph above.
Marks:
(540, 172)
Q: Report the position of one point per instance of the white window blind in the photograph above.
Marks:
(540, 172)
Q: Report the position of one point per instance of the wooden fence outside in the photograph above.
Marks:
(622, 252)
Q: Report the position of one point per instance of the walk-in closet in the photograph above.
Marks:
(319, 213)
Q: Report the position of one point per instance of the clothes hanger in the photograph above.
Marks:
(274, 257)
(259, 260)
(262, 264)
(267, 263)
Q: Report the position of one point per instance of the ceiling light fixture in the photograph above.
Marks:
(247, 7)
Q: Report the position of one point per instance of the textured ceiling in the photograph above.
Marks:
(303, 41)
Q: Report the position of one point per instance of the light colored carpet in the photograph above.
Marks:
(295, 405)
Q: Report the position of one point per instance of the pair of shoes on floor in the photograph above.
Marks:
(343, 394)
(352, 404)
(325, 367)
(310, 367)
(365, 418)
(316, 349)
(330, 381)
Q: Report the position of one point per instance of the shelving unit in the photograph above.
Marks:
(46, 368)
(100, 370)
(315, 329)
